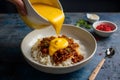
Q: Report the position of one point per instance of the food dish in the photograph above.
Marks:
(49, 51)
(92, 17)
(104, 28)
(75, 32)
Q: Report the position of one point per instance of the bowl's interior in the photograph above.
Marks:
(71, 31)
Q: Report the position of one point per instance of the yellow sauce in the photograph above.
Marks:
(56, 44)
(56, 17)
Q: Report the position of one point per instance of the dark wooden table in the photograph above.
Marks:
(14, 67)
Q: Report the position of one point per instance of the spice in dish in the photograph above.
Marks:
(105, 27)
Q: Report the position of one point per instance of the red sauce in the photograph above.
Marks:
(105, 27)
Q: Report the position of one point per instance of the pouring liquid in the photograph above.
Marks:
(54, 15)
(49, 10)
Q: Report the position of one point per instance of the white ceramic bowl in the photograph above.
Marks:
(104, 33)
(92, 17)
(71, 31)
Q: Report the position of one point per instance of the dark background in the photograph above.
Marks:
(74, 6)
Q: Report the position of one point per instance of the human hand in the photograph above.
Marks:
(20, 6)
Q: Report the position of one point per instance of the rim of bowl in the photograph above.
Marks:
(36, 63)
(105, 21)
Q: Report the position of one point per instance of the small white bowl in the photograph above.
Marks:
(92, 17)
(103, 33)
(77, 33)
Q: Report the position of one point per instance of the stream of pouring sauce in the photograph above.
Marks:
(56, 17)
